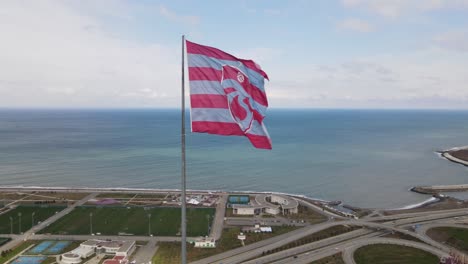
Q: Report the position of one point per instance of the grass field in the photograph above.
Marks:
(455, 237)
(393, 254)
(41, 213)
(334, 259)
(132, 220)
(15, 251)
(169, 252)
(307, 214)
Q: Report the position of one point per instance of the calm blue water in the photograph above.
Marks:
(363, 157)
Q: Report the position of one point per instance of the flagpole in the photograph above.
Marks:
(183, 214)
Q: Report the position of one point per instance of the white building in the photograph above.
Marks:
(268, 203)
(245, 209)
(88, 248)
(205, 242)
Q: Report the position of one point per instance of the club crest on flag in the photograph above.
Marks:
(239, 102)
(227, 95)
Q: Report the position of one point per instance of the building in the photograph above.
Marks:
(245, 209)
(120, 249)
(257, 229)
(205, 242)
(267, 203)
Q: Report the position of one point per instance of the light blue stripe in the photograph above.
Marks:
(231, 83)
(211, 114)
(258, 129)
(206, 87)
(197, 60)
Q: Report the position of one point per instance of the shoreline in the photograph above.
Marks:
(20, 188)
(451, 155)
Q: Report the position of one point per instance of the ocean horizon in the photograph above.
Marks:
(363, 157)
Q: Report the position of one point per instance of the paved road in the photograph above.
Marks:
(250, 251)
(289, 254)
(250, 221)
(422, 231)
(217, 226)
(86, 237)
(319, 210)
(145, 253)
(410, 215)
(310, 256)
(349, 250)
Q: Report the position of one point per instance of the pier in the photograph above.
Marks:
(435, 189)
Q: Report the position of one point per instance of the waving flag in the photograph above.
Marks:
(227, 95)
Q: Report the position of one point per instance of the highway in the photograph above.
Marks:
(256, 249)
(349, 250)
(346, 243)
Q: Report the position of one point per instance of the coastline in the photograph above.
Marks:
(457, 155)
(20, 188)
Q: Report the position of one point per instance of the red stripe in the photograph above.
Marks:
(255, 93)
(218, 128)
(261, 142)
(194, 48)
(204, 74)
(230, 129)
(208, 101)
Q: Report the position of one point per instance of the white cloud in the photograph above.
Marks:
(169, 14)
(355, 24)
(52, 55)
(431, 78)
(396, 8)
(453, 40)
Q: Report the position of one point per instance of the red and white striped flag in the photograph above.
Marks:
(227, 95)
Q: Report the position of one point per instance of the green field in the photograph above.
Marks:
(455, 237)
(15, 251)
(41, 213)
(393, 254)
(333, 259)
(107, 220)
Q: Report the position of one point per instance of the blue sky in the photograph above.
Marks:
(318, 54)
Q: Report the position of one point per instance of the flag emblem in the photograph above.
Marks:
(227, 95)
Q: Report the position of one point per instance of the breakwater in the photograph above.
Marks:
(436, 189)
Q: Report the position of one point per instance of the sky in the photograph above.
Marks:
(318, 54)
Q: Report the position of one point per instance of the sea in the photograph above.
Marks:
(365, 158)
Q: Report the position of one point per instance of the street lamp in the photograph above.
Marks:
(19, 215)
(11, 225)
(149, 224)
(208, 218)
(91, 223)
(32, 219)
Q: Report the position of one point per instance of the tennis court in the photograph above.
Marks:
(58, 247)
(41, 247)
(28, 260)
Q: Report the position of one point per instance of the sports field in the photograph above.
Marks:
(164, 221)
(41, 213)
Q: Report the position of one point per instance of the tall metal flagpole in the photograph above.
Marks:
(183, 218)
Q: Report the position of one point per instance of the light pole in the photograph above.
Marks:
(91, 223)
(11, 225)
(149, 224)
(32, 219)
(208, 218)
(19, 215)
